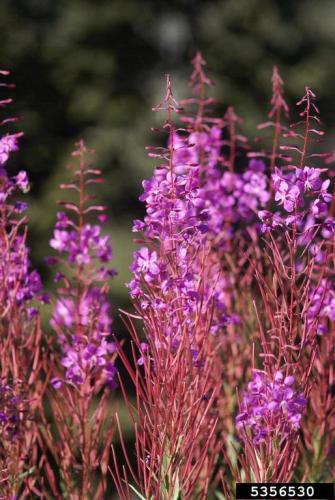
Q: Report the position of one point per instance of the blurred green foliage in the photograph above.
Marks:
(95, 69)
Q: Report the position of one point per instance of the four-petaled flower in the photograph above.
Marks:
(146, 262)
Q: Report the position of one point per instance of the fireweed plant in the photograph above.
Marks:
(178, 292)
(21, 381)
(291, 326)
(83, 369)
(235, 265)
(232, 330)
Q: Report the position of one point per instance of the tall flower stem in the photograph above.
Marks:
(84, 372)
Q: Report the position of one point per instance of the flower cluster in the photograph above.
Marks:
(20, 182)
(82, 356)
(301, 193)
(81, 314)
(233, 199)
(19, 283)
(14, 422)
(226, 199)
(322, 306)
(177, 222)
(90, 244)
(91, 310)
(201, 260)
(89, 352)
(8, 144)
(9, 186)
(10, 413)
(198, 147)
(173, 199)
(270, 408)
(269, 220)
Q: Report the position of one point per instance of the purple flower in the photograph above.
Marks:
(22, 181)
(322, 306)
(19, 283)
(138, 225)
(270, 220)
(289, 380)
(81, 316)
(20, 207)
(168, 275)
(104, 250)
(231, 201)
(110, 374)
(57, 383)
(270, 408)
(12, 409)
(146, 262)
(287, 196)
(94, 355)
(32, 312)
(327, 197)
(185, 152)
(144, 350)
(63, 221)
(59, 241)
(64, 313)
(72, 363)
(8, 143)
(82, 247)
(278, 376)
(256, 165)
(303, 192)
(319, 208)
(328, 228)
(308, 178)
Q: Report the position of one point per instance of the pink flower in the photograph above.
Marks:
(8, 143)
(22, 181)
(146, 262)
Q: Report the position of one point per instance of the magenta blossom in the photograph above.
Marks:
(270, 408)
(8, 143)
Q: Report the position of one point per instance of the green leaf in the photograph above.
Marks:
(220, 495)
(136, 492)
(26, 473)
(175, 494)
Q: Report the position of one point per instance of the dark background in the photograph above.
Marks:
(94, 69)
